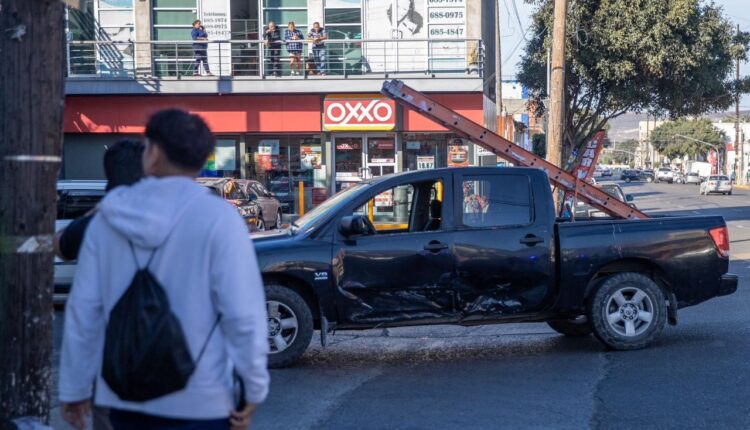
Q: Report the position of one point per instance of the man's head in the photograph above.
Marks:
(197, 23)
(291, 25)
(316, 26)
(123, 163)
(271, 25)
(177, 144)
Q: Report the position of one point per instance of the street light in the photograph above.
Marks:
(718, 152)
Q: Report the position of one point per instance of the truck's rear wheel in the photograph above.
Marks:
(576, 327)
(628, 311)
(290, 325)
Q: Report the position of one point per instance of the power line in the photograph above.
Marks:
(518, 18)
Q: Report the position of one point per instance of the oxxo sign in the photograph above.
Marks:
(359, 112)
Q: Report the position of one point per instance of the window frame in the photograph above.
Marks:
(458, 209)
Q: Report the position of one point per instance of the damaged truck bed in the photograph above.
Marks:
(478, 246)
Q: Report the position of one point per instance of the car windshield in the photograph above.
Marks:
(692, 174)
(314, 215)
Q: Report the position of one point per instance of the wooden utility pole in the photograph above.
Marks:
(498, 63)
(739, 153)
(31, 109)
(557, 93)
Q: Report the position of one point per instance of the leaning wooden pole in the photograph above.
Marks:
(31, 110)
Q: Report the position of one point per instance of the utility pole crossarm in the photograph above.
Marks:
(506, 149)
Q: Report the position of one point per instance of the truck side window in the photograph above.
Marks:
(496, 200)
(390, 210)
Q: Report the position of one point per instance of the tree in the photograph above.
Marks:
(539, 145)
(31, 108)
(668, 141)
(621, 152)
(670, 58)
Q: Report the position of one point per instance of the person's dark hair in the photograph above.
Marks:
(196, 22)
(123, 163)
(185, 138)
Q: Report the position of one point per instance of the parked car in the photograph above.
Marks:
(629, 175)
(270, 207)
(679, 178)
(584, 210)
(480, 245)
(693, 178)
(716, 184)
(231, 190)
(647, 175)
(606, 171)
(74, 199)
(664, 174)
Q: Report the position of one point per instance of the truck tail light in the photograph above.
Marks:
(720, 236)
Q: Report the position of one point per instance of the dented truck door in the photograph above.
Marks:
(403, 271)
(502, 246)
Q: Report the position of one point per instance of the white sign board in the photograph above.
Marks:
(214, 15)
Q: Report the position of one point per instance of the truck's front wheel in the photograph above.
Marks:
(290, 325)
(576, 327)
(627, 311)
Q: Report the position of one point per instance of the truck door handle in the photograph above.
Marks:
(435, 246)
(531, 240)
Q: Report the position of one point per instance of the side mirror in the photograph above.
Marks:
(628, 198)
(354, 225)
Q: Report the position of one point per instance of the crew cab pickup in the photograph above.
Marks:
(476, 246)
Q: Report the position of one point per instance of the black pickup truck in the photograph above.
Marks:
(482, 246)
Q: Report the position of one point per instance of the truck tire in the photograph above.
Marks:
(628, 311)
(577, 327)
(290, 325)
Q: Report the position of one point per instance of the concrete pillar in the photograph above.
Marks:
(315, 12)
(142, 11)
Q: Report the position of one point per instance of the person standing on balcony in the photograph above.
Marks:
(317, 35)
(293, 39)
(200, 49)
(272, 38)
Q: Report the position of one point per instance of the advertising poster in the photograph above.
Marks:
(399, 20)
(458, 154)
(384, 199)
(268, 152)
(425, 162)
(214, 15)
(310, 157)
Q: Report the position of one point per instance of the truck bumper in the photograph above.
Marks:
(728, 284)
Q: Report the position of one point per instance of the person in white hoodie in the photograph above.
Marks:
(204, 260)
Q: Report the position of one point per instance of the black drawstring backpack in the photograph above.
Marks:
(145, 352)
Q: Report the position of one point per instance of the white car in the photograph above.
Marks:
(716, 184)
(74, 199)
(693, 178)
(664, 174)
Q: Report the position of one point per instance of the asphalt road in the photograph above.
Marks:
(519, 376)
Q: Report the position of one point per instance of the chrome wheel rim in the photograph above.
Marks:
(282, 326)
(629, 312)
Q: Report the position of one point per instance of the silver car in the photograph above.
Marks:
(693, 178)
(716, 184)
(74, 199)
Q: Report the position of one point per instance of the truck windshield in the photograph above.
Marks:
(310, 218)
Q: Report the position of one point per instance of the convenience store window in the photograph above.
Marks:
(289, 166)
(424, 151)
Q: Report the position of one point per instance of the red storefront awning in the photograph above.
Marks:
(224, 114)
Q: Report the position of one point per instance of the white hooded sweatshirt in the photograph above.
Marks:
(205, 262)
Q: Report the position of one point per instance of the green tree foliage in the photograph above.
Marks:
(620, 152)
(671, 58)
(667, 138)
(539, 145)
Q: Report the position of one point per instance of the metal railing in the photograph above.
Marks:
(251, 59)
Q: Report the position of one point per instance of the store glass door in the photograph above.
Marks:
(381, 155)
(348, 159)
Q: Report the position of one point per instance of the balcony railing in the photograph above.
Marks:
(253, 59)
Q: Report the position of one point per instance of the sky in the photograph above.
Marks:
(513, 28)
